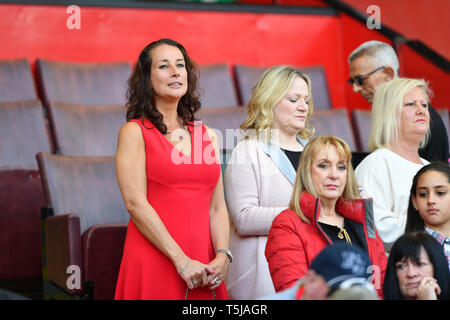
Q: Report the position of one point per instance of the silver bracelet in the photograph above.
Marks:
(227, 252)
(185, 266)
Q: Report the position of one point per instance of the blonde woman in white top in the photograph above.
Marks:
(399, 126)
(260, 175)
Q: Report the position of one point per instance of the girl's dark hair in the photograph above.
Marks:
(408, 247)
(414, 221)
(141, 96)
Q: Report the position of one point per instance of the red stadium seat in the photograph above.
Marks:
(361, 125)
(86, 226)
(81, 130)
(248, 76)
(83, 83)
(216, 86)
(16, 81)
(23, 133)
(334, 122)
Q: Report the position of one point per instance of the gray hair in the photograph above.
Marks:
(381, 54)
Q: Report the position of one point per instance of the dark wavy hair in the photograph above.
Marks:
(414, 221)
(408, 247)
(141, 95)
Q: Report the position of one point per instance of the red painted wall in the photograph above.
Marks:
(113, 34)
(424, 20)
(438, 80)
(412, 64)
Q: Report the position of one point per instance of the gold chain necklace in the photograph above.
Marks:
(343, 234)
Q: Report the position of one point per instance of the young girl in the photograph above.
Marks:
(429, 205)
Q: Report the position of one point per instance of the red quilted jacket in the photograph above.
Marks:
(292, 244)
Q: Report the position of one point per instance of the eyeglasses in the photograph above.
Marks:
(360, 79)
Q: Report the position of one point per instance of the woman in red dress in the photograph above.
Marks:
(169, 175)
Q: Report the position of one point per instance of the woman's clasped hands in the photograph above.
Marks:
(197, 274)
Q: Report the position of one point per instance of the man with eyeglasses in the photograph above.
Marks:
(375, 62)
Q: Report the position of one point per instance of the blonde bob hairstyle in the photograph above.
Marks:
(386, 111)
(303, 180)
(268, 92)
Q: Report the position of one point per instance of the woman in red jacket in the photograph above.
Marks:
(325, 207)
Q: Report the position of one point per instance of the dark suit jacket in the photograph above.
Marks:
(437, 146)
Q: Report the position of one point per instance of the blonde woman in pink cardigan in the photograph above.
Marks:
(260, 175)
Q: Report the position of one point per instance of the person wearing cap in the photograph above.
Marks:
(325, 208)
(336, 271)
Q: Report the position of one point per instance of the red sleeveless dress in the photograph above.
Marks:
(179, 188)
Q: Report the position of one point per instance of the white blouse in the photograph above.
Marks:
(387, 178)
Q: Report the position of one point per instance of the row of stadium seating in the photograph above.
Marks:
(71, 128)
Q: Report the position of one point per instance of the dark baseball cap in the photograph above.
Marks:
(343, 265)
